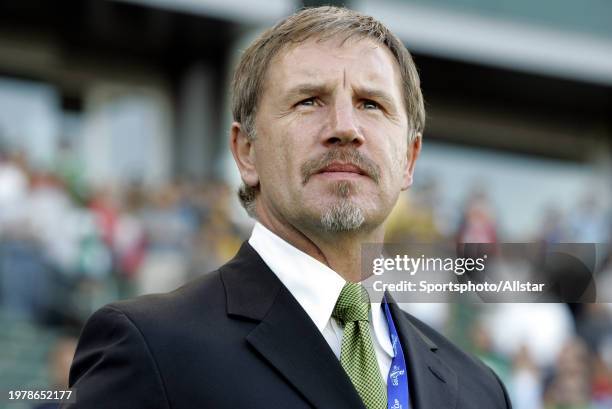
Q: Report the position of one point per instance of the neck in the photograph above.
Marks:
(340, 251)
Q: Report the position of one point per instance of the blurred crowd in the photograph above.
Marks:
(67, 248)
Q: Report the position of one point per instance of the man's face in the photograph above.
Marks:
(331, 150)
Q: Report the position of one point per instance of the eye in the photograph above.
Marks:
(369, 104)
(309, 102)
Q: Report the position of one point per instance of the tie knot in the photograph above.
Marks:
(353, 304)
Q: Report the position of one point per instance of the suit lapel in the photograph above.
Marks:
(285, 336)
(432, 383)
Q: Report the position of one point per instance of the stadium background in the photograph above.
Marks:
(116, 180)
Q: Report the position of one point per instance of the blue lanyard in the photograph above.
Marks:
(398, 396)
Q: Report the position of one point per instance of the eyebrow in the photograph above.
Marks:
(376, 94)
(321, 89)
(308, 89)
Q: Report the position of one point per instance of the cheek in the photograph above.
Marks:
(303, 125)
(393, 161)
(277, 162)
(399, 146)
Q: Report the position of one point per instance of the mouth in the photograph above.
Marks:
(339, 170)
(341, 164)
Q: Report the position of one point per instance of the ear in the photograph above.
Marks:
(412, 154)
(244, 155)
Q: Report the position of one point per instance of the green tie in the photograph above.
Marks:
(357, 354)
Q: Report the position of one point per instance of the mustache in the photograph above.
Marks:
(347, 156)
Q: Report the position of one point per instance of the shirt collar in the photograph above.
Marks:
(314, 285)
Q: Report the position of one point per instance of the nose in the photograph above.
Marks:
(343, 125)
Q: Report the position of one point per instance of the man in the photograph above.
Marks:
(328, 119)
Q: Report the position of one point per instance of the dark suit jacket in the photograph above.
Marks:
(236, 338)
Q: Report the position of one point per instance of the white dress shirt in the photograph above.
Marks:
(316, 288)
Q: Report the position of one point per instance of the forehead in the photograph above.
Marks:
(361, 61)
